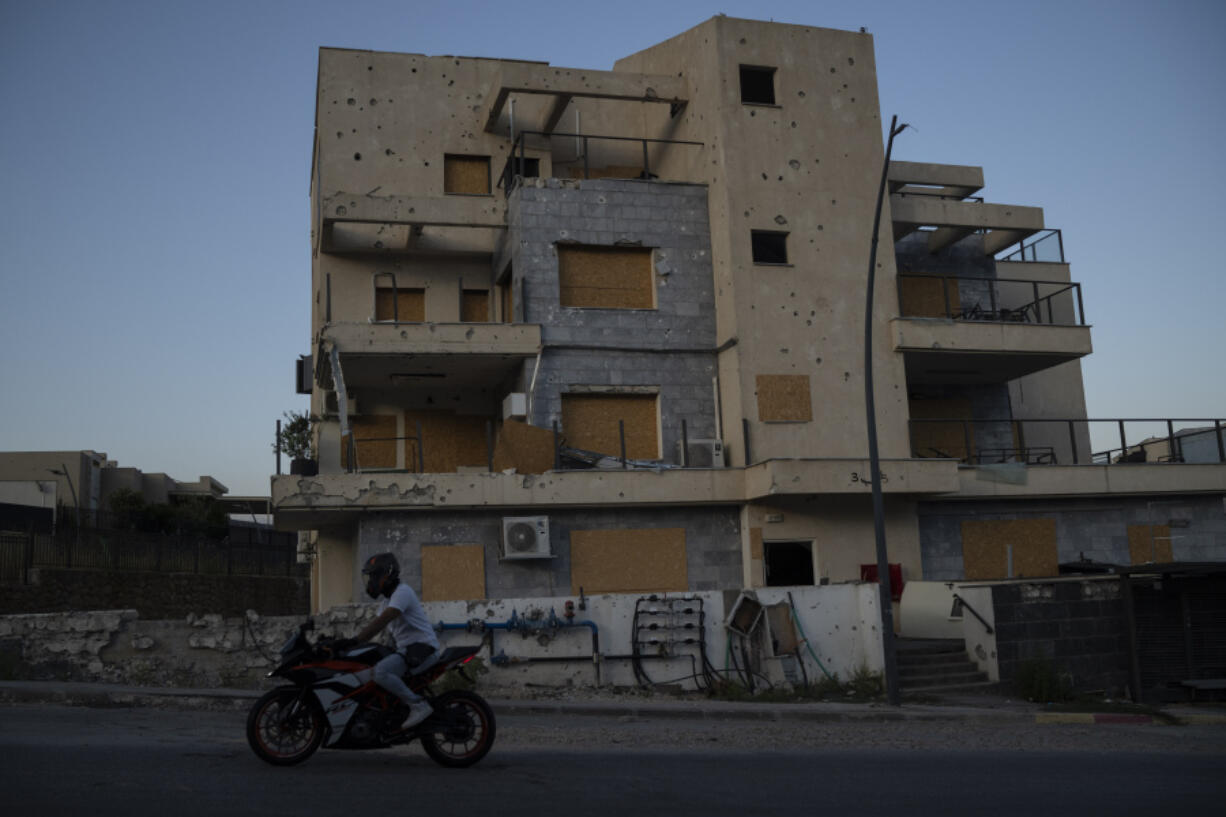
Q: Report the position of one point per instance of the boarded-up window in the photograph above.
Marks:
(605, 277)
(527, 449)
(475, 306)
(448, 441)
(374, 439)
(784, 398)
(405, 305)
(628, 561)
(925, 297)
(452, 572)
(1149, 543)
(989, 545)
(508, 303)
(466, 175)
(955, 439)
(590, 422)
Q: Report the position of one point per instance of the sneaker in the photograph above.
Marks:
(417, 713)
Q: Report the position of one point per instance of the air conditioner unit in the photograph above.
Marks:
(703, 453)
(515, 405)
(525, 537)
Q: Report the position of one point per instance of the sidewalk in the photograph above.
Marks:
(967, 708)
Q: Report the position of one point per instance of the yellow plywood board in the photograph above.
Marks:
(452, 572)
(926, 297)
(410, 304)
(475, 306)
(756, 548)
(590, 422)
(784, 398)
(986, 544)
(648, 560)
(605, 277)
(375, 441)
(527, 449)
(1149, 543)
(942, 439)
(466, 174)
(448, 440)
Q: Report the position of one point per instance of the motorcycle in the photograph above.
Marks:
(332, 701)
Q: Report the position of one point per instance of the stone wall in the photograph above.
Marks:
(156, 595)
(1095, 528)
(1077, 625)
(712, 537)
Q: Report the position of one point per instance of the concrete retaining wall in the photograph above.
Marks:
(117, 646)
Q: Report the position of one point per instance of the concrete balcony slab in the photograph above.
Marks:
(1133, 479)
(939, 350)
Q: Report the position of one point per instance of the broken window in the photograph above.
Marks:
(590, 422)
(769, 247)
(402, 305)
(605, 277)
(788, 563)
(757, 85)
(466, 175)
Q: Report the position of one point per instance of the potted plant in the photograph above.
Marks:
(296, 441)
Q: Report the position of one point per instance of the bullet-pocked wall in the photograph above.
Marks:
(711, 556)
(665, 348)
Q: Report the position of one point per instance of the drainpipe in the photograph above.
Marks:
(517, 624)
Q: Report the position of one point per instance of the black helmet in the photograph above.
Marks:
(382, 573)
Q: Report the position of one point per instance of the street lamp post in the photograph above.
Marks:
(883, 562)
(76, 506)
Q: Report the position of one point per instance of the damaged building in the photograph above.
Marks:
(601, 331)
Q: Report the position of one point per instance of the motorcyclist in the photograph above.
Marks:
(416, 644)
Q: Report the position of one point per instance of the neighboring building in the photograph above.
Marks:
(86, 480)
(504, 248)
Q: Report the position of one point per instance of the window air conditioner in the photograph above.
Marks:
(525, 537)
(703, 454)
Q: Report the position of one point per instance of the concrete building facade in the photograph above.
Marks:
(601, 331)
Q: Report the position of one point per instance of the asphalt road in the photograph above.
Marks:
(62, 760)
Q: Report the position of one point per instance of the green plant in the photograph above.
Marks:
(866, 684)
(1037, 680)
(295, 439)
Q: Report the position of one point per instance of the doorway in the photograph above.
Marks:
(788, 563)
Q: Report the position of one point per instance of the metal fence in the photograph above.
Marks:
(133, 551)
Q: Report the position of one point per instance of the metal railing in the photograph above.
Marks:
(934, 195)
(1048, 248)
(1009, 300)
(518, 161)
(1067, 441)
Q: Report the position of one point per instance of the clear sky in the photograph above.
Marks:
(155, 156)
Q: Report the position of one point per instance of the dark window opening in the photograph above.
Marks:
(757, 85)
(527, 167)
(769, 247)
(788, 563)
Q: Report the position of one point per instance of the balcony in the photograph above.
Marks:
(590, 156)
(443, 354)
(962, 330)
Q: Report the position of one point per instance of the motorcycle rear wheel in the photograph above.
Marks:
(283, 731)
(461, 730)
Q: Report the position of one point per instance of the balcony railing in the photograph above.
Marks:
(902, 194)
(1059, 441)
(1008, 300)
(1047, 247)
(520, 165)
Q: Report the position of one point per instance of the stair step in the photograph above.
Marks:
(948, 687)
(944, 679)
(931, 658)
(964, 666)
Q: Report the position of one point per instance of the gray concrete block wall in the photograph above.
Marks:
(712, 535)
(1095, 528)
(670, 348)
(1076, 626)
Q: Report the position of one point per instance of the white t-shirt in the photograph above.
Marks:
(411, 626)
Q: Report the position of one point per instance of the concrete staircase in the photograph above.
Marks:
(935, 664)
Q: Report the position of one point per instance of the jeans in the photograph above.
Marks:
(389, 673)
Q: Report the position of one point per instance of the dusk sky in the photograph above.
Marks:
(155, 160)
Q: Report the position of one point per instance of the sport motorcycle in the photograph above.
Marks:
(332, 701)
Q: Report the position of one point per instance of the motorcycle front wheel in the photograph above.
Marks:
(461, 730)
(283, 730)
